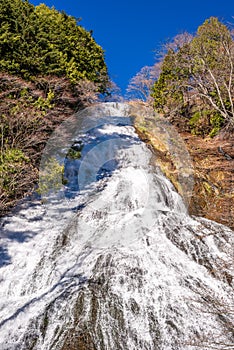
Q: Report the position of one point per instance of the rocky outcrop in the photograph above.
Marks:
(206, 179)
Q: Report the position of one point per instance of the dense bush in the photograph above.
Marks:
(42, 41)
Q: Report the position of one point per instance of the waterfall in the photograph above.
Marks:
(111, 260)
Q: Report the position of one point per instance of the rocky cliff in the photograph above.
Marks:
(209, 191)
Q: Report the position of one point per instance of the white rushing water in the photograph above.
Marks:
(113, 261)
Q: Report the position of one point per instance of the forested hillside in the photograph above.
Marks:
(49, 68)
(192, 81)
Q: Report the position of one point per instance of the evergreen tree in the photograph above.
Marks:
(43, 41)
(199, 72)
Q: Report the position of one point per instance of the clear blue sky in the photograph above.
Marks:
(131, 30)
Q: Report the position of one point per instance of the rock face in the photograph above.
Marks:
(212, 194)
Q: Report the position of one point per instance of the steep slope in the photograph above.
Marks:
(115, 262)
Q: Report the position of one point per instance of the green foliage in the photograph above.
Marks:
(51, 179)
(11, 156)
(73, 154)
(193, 122)
(217, 121)
(199, 75)
(24, 93)
(42, 41)
(206, 122)
(208, 43)
(44, 104)
(199, 122)
(167, 90)
(12, 161)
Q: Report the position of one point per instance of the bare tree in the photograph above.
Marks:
(211, 68)
(140, 85)
(176, 43)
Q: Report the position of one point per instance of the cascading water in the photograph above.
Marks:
(113, 260)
